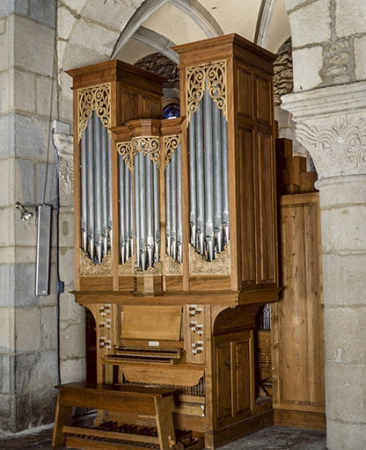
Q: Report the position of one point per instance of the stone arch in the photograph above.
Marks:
(158, 42)
(264, 21)
(192, 8)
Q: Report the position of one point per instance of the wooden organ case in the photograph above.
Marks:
(175, 230)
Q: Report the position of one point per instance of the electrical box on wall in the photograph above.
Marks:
(43, 250)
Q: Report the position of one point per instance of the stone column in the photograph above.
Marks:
(331, 124)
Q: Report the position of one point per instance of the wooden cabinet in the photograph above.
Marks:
(176, 230)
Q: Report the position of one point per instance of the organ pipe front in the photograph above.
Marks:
(175, 225)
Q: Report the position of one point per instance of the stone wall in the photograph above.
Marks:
(28, 324)
(328, 38)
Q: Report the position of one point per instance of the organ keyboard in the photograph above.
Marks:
(175, 230)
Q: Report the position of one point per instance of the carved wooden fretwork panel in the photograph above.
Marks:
(148, 145)
(173, 267)
(155, 270)
(130, 269)
(219, 266)
(126, 269)
(89, 269)
(94, 98)
(127, 151)
(207, 76)
(337, 146)
(171, 143)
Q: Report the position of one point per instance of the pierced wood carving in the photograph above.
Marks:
(148, 145)
(207, 76)
(127, 151)
(171, 143)
(129, 268)
(94, 98)
(173, 267)
(126, 269)
(219, 266)
(89, 269)
(155, 270)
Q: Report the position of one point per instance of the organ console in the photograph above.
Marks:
(175, 232)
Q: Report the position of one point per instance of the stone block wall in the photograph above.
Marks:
(28, 331)
(328, 38)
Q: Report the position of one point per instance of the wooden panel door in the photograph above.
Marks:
(297, 322)
(234, 376)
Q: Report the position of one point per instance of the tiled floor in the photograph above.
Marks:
(272, 438)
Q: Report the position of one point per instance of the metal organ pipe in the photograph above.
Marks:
(122, 208)
(137, 207)
(174, 207)
(192, 180)
(142, 196)
(84, 193)
(146, 214)
(125, 208)
(179, 206)
(217, 176)
(90, 183)
(173, 174)
(168, 207)
(209, 175)
(98, 187)
(106, 193)
(149, 211)
(225, 180)
(96, 213)
(128, 213)
(156, 212)
(200, 180)
(208, 168)
(109, 178)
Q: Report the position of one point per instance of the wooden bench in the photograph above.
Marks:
(147, 403)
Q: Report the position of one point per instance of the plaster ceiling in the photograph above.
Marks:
(158, 25)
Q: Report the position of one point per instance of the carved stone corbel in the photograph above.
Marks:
(64, 145)
(331, 124)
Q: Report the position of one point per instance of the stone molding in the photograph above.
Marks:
(331, 124)
(64, 146)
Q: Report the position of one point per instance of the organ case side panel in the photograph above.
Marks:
(297, 333)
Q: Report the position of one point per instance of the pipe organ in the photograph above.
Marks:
(175, 230)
